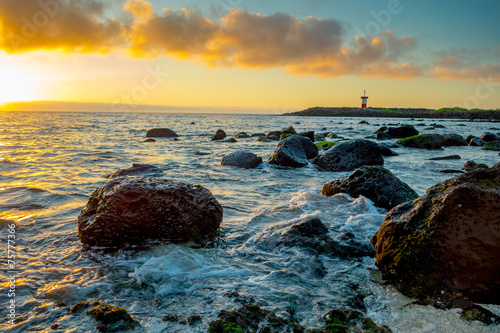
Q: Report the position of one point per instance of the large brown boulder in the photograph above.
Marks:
(374, 182)
(447, 240)
(134, 209)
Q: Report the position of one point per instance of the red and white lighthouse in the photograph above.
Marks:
(364, 100)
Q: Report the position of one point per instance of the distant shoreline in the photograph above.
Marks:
(445, 113)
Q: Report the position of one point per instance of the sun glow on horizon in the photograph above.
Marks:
(18, 84)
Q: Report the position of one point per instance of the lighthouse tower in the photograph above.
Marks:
(364, 100)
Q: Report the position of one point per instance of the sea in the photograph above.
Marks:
(50, 162)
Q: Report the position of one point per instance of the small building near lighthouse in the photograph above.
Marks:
(364, 100)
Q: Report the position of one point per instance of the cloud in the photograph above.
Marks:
(452, 68)
(68, 25)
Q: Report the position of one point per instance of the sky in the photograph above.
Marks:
(248, 56)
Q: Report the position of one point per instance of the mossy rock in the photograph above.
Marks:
(478, 313)
(492, 145)
(423, 141)
(288, 130)
(285, 135)
(325, 144)
(112, 318)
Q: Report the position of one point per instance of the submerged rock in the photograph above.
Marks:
(136, 170)
(242, 159)
(293, 151)
(423, 141)
(161, 133)
(374, 182)
(454, 140)
(471, 166)
(492, 145)
(134, 209)
(449, 157)
(219, 135)
(350, 155)
(242, 135)
(111, 318)
(447, 240)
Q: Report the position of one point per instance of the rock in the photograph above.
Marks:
(136, 170)
(386, 151)
(219, 135)
(252, 318)
(478, 313)
(319, 137)
(423, 141)
(446, 242)
(242, 159)
(350, 155)
(331, 135)
(161, 133)
(202, 153)
(454, 140)
(449, 157)
(325, 145)
(263, 139)
(290, 152)
(231, 140)
(374, 182)
(309, 135)
(449, 171)
(476, 142)
(310, 149)
(312, 234)
(438, 126)
(111, 318)
(258, 135)
(192, 123)
(492, 145)
(363, 122)
(342, 320)
(488, 136)
(134, 209)
(274, 135)
(288, 130)
(404, 131)
(149, 140)
(471, 166)
(242, 135)
(283, 136)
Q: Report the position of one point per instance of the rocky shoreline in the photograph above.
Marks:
(445, 113)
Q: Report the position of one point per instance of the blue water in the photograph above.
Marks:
(51, 162)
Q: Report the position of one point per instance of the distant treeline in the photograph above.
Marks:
(451, 113)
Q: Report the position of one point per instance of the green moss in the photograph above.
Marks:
(285, 135)
(198, 185)
(386, 110)
(79, 307)
(369, 326)
(455, 109)
(336, 328)
(325, 144)
(491, 146)
(112, 318)
(485, 183)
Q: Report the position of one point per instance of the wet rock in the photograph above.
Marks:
(471, 166)
(492, 145)
(111, 318)
(374, 182)
(290, 152)
(312, 234)
(161, 133)
(149, 140)
(350, 155)
(454, 140)
(310, 149)
(219, 135)
(488, 136)
(476, 142)
(438, 126)
(478, 313)
(258, 135)
(447, 241)
(242, 159)
(138, 170)
(423, 141)
(242, 135)
(404, 131)
(202, 153)
(386, 151)
(134, 209)
(230, 140)
(363, 122)
(342, 320)
(449, 157)
(252, 318)
(288, 130)
(283, 136)
(274, 135)
(450, 171)
(325, 145)
(191, 320)
(319, 137)
(309, 135)
(263, 139)
(171, 318)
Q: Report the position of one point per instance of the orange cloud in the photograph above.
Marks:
(450, 72)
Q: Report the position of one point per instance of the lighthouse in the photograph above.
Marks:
(364, 100)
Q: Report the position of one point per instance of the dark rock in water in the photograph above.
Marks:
(449, 157)
(274, 135)
(446, 242)
(386, 151)
(135, 209)
(176, 139)
(192, 123)
(325, 145)
(471, 166)
(374, 182)
(312, 234)
(242, 135)
(476, 142)
(290, 152)
(350, 155)
(488, 136)
(454, 140)
(231, 140)
(149, 140)
(363, 122)
(263, 139)
(309, 135)
(242, 159)
(111, 318)
(258, 135)
(136, 170)
(438, 126)
(283, 136)
(450, 171)
(219, 135)
(202, 153)
(492, 145)
(478, 313)
(161, 133)
(342, 320)
(469, 137)
(288, 130)
(252, 318)
(404, 131)
(310, 149)
(423, 141)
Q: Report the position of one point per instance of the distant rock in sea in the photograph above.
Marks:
(161, 133)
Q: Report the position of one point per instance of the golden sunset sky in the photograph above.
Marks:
(248, 56)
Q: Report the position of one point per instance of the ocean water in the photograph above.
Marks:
(51, 162)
